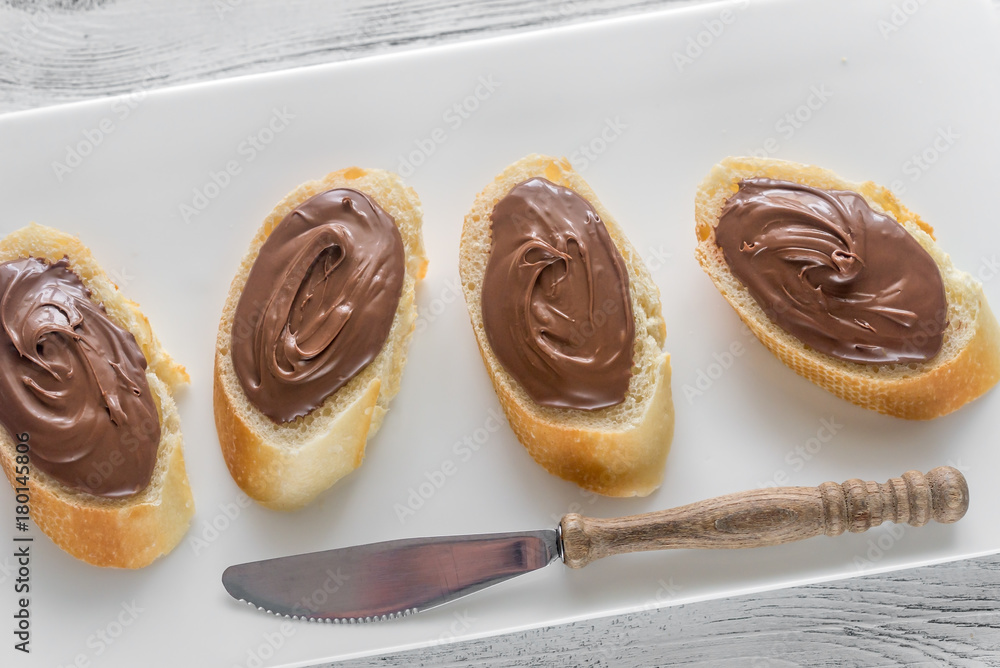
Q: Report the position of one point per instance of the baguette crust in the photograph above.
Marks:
(286, 466)
(969, 362)
(121, 533)
(615, 451)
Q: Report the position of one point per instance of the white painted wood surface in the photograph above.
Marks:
(56, 51)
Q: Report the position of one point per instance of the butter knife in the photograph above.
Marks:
(396, 578)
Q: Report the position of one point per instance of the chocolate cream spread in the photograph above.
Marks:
(74, 382)
(318, 304)
(555, 299)
(842, 278)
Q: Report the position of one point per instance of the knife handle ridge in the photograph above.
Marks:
(773, 516)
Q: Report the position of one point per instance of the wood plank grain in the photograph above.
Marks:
(64, 51)
(944, 615)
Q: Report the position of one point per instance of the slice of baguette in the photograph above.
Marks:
(285, 466)
(126, 532)
(616, 451)
(969, 362)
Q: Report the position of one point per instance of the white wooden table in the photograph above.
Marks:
(56, 51)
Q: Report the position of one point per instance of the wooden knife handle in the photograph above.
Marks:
(772, 516)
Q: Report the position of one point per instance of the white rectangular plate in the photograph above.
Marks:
(644, 106)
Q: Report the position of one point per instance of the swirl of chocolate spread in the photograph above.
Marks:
(318, 303)
(74, 381)
(842, 278)
(555, 299)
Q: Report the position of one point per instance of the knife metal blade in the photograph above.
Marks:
(395, 578)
